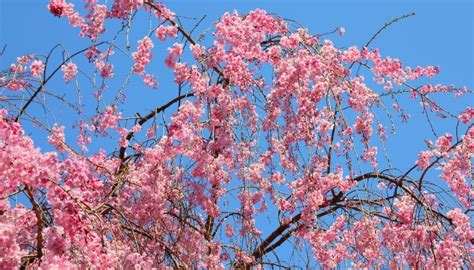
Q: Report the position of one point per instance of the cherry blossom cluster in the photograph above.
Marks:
(70, 71)
(270, 139)
(57, 138)
(164, 31)
(15, 79)
(37, 68)
(143, 55)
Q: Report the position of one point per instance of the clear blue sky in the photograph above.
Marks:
(441, 34)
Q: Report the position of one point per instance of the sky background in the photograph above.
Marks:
(440, 34)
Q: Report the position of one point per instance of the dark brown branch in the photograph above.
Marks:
(399, 184)
(288, 234)
(39, 231)
(386, 25)
(149, 116)
(260, 250)
(43, 83)
(123, 165)
(188, 38)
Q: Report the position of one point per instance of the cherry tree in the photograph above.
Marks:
(269, 152)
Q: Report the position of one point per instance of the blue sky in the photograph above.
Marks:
(441, 34)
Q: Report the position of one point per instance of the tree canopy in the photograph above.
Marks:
(268, 153)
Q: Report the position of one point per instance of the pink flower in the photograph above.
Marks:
(138, 147)
(150, 132)
(363, 125)
(197, 50)
(173, 53)
(37, 68)
(341, 31)
(444, 142)
(121, 8)
(166, 31)
(229, 231)
(388, 85)
(467, 116)
(370, 154)
(108, 119)
(143, 55)
(104, 68)
(62, 8)
(181, 72)
(92, 53)
(136, 128)
(424, 159)
(57, 7)
(406, 209)
(458, 168)
(290, 42)
(163, 12)
(57, 138)
(10, 256)
(95, 25)
(360, 95)
(271, 126)
(150, 81)
(381, 185)
(70, 71)
(352, 54)
(462, 224)
(123, 142)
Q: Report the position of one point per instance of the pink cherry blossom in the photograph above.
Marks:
(70, 71)
(174, 53)
(57, 138)
(108, 119)
(150, 81)
(197, 50)
(261, 141)
(166, 31)
(363, 125)
(37, 68)
(57, 7)
(424, 159)
(341, 30)
(94, 25)
(467, 116)
(461, 222)
(143, 55)
(104, 68)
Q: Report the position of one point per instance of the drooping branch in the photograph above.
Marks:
(149, 116)
(46, 80)
(29, 259)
